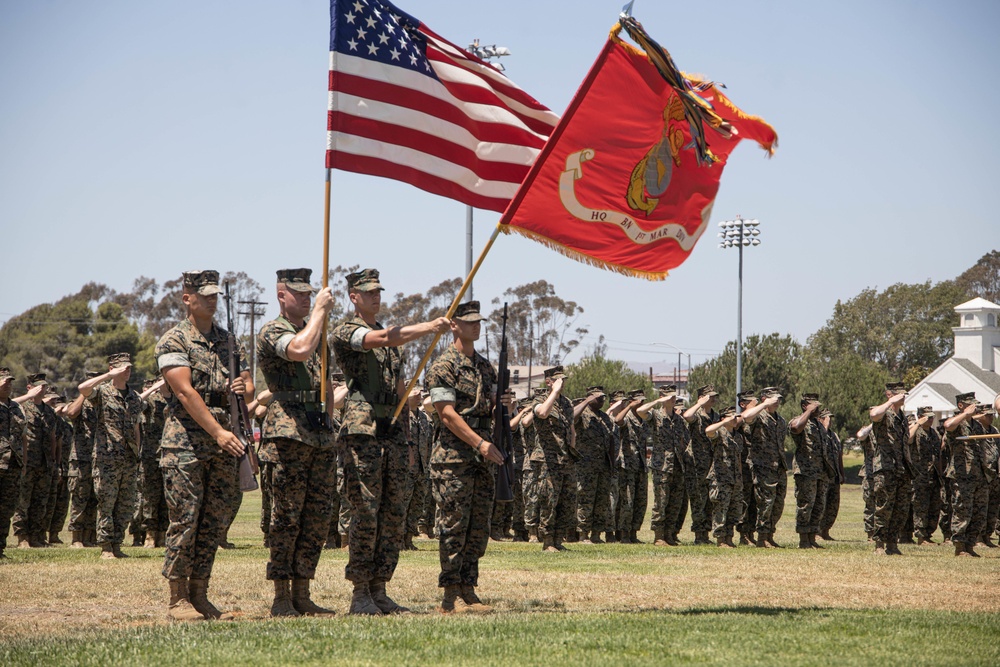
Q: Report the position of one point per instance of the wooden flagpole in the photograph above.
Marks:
(451, 311)
(326, 283)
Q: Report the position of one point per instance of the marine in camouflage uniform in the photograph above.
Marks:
(83, 502)
(766, 442)
(376, 453)
(633, 482)
(867, 440)
(682, 444)
(531, 465)
(748, 516)
(965, 468)
(725, 476)
(58, 505)
(417, 486)
(39, 464)
(299, 433)
(890, 470)
(155, 519)
(517, 445)
(334, 538)
(595, 442)
(835, 459)
(11, 453)
(699, 417)
(552, 463)
(116, 451)
(925, 446)
(809, 468)
(991, 469)
(462, 384)
(198, 450)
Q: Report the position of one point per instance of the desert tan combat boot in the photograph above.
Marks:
(282, 605)
(659, 540)
(595, 537)
(303, 603)
(77, 540)
(107, 551)
(533, 536)
(384, 603)
(879, 548)
(54, 537)
(198, 589)
(90, 538)
(472, 602)
(361, 601)
(549, 544)
(448, 602)
(181, 608)
(116, 550)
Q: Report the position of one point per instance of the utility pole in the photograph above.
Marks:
(739, 233)
(253, 315)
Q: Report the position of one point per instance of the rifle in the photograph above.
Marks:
(502, 437)
(239, 417)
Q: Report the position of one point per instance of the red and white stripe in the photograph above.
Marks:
(472, 135)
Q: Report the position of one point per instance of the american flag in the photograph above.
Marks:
(408, 105)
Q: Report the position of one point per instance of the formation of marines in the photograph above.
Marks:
(337, 470)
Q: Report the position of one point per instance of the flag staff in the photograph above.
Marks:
(451, 311)
(326, 283)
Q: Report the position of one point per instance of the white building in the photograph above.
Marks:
(973, 367)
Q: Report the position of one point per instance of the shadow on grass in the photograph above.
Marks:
(753, 611)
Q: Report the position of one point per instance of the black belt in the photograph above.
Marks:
(380, 398)
(482, 423)
(311, 396)
(217, 399)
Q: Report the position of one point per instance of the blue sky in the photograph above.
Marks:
(150, 138)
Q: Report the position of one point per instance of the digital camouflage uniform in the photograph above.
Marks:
(39, 466)
(376, 462)
(531, 466)
(463, 482)
(747, 522)
(116, 459)
(420, 436)
(83, 501)
(633, 482)
(595, 441)
(867, 480)
(11, 463)
(831, 506)
(926, 482)
(265, 460)
(809, 469)
(891, 487)
(965, 468)
(769, 471)
(991, 468)
(699, 453)
(200, 479)
(725, 483)
(154, 504)
(554, 477)
(58, 505)
(304, 472)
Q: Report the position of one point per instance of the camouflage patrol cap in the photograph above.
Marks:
(93, 374)
(296, 280)
(554, 373)
(745, 396)
(667, 390)
(983, 409)
(728, 411)
(925, 410)
(205, 283)
(595, 390)
(824, 413)
(119, 359)
(768, 392)
(541, 391)
(910, 419)
(365, 280)
(524, 403)
(578, 401)
(707, 390)
(895, 387)
(468, 312)
(967, 399)
(637, 393)
(53, 397)
(618, 395)
(810, 398)
(6, 374)
(149, 383)
(36, 379)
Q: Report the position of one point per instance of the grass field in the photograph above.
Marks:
(633, 604)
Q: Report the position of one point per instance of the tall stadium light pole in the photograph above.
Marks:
(485, 52)
(739, 233)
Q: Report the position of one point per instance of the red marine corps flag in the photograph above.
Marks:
(628, 178)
